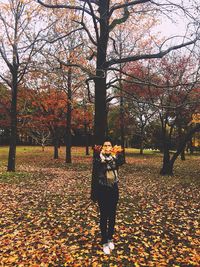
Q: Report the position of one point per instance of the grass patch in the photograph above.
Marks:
(36, 151)
(15, 177)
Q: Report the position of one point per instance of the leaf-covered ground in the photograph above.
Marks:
(47, 219)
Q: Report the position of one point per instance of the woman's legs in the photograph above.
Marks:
(107, 206)
(111, 220)
(112, 212)
(103, 220)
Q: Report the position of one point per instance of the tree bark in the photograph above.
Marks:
(56, 145)
(168, 163)
(167, 168)
(13, 128)
(141, 146)
(142, 141)
(69, 112)
(191, 147)
(86, 140)
(181, 137)
(55, 151)
(122, 113)
(183, 154)
(100, 117)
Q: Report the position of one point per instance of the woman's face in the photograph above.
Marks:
(107, 146)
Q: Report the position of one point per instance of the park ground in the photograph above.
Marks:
(48, 220)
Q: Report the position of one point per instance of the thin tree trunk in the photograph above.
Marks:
(69, 112)
(180, 134)
(191, 147)
(183, 154)
(121, 113)
(167, 167)
(13, 129)
(56, 145)
(142, 141)
(86, 140)
(141, 146)
(56, 151)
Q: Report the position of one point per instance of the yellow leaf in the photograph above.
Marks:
(12, 259)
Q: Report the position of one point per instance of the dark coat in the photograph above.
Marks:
(99, 178)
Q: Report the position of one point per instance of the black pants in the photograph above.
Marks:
(107, 201)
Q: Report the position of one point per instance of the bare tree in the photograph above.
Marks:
(172, 92)
(19, 42)
(98, 21)
(41, 137)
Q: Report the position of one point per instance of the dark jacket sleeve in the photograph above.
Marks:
(97, 167)
(94, 182)
(119, 159)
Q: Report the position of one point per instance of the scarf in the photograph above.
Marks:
(111, 172)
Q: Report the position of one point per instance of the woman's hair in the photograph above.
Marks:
(107, 139)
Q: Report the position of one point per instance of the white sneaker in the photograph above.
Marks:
(111, 244)
(106, 249)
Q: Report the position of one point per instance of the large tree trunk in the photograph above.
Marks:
(69, 112)
(167, 168)
(13, 129)
(100, 117)
(168, 163)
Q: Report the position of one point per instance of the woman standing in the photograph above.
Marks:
(105, 190)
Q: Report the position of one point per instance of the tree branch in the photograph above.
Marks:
(6, 59)
(127, 4)
(94, 21)
(66, 6)
(150, 56)
(121, 20)
(5, 80)
(87, 31)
